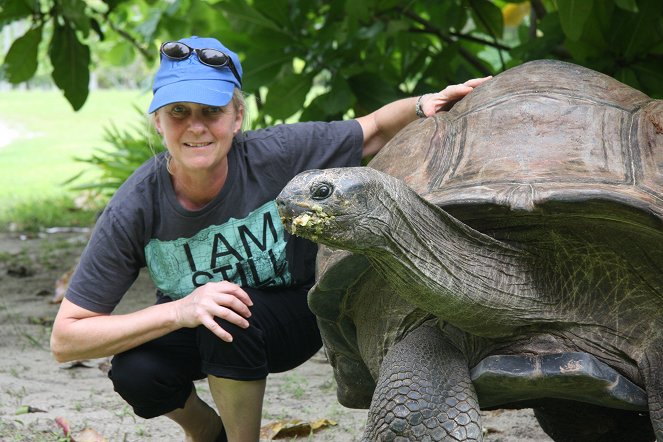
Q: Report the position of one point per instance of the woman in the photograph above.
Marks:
(231, 299)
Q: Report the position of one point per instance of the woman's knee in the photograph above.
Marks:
(135, 373)
(149, 384)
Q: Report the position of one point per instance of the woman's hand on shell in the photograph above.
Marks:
(223, 300)
(447, 97)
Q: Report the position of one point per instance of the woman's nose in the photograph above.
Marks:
(196, 125)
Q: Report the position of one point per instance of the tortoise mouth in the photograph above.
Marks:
(304, 219)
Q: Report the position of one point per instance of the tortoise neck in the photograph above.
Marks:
(462, 276)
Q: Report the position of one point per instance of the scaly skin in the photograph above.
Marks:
(424, 393)
(603, 299)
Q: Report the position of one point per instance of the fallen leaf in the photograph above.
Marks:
(24, 409)
(105, 366)
(76, 364)
(61, 285)
(293, 428)
(490, 430)
(62, 423)
(41, 320)
(88, 435)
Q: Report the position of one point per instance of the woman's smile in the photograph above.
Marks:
(199, 144)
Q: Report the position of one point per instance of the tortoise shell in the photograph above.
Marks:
(501, 145)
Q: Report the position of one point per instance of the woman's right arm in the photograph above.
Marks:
(79, 333)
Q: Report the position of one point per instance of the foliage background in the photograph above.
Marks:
(315, 59)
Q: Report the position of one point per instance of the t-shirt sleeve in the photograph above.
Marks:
(108, 266)
(319, 145)
(285, 150)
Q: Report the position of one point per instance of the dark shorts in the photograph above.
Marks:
(157, 377)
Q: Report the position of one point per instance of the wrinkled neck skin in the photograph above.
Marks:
(462, 276)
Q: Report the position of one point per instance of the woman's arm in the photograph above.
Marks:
(79, 333)
(381, 125)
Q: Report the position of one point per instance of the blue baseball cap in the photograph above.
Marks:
(191, 81)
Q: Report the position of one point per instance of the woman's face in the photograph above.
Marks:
(198, 136)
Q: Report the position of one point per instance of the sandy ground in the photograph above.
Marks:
(83, 395)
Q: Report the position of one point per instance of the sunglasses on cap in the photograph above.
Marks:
(176, 50)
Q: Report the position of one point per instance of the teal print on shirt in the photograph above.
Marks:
(249, 252)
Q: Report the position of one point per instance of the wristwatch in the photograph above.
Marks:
(417, 108)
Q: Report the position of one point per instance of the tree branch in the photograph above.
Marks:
(429, 28)
(144, 51)
(538, 8)
(495, 44)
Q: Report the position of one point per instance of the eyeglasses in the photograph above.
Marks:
(176, 50)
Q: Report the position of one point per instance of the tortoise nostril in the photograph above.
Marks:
(321, 191)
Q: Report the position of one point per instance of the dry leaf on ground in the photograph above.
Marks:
(293, 428)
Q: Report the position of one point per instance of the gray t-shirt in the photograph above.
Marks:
(237, 237)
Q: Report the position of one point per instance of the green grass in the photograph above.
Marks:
(49, 136)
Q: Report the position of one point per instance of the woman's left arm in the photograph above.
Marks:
(380, 126)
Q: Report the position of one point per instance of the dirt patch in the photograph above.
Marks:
(83, 395)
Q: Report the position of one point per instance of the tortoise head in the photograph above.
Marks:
(338, 207)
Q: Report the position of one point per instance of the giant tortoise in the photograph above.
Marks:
(505, 254)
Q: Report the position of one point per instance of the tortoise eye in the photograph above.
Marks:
(321, 191)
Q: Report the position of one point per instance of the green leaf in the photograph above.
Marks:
(631, 36)
(573, 14)
(650, 77)
(21, 60)
(287, 95)
(276, 10)
(122, 54)
(263, 64)
(241, 13)
(541, 47)
(112, 4)
(70, 59)
(627, 76)
(149, 26)
(11, 10)
(73, 11)
(628, 5)
(371, 91)
(357, 10)
(340, 97)
(488, 17)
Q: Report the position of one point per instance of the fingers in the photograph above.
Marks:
(235, 290)
(230, 303)
(230, 308)
(447, 97)
(454, 92)
(219, 331)
(474, 82)
(216, 299)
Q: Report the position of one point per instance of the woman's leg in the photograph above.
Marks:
(156, 379)
(282, 335)
(199, 421)
(240, 404)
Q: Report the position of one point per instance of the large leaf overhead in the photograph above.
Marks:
(21, 60)
(374, 50)
(70, 59)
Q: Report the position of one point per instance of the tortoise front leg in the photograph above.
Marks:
(650, 369)
(424, 392)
